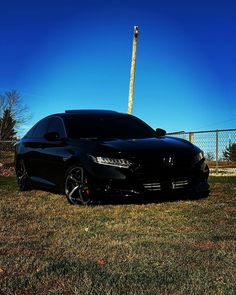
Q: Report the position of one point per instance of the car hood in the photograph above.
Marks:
(163, 146)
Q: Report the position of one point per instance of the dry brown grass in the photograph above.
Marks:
(183, 247)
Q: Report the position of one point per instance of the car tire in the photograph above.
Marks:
(22, 176)
(76, 186)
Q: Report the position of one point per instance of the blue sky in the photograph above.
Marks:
(76, 54)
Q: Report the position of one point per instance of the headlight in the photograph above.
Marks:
(198, 158)
(121, 163)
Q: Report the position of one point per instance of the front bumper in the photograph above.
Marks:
(133, 182)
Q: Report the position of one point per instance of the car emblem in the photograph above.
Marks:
(168, 162)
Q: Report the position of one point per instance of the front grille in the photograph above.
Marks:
(158, 169)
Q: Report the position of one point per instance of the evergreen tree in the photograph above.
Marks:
(230, 153)
(7, 126)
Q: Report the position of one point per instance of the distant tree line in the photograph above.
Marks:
(13, 113)
(229, 154)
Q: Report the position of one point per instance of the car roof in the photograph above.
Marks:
(89, 111)
(84, 112)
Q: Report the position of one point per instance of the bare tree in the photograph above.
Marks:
(11, 101)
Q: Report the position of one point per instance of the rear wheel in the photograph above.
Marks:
(76, 186)
(22, 176)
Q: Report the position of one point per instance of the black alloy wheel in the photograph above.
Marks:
(22, 176)
(76, 186)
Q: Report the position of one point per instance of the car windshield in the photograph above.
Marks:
(107, 127)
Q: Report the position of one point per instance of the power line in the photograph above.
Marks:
(218, 123)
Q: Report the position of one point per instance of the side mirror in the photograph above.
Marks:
(160, 132)
(52, 136)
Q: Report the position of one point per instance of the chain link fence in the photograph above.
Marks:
(219, 147)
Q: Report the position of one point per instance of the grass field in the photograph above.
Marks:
(181, 247)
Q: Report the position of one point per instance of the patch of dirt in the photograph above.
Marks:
(7, 169)
(223, 172)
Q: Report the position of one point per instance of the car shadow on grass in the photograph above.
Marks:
(144, 200)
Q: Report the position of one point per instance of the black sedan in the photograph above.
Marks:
(92, 153)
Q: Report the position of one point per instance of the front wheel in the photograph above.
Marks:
(76, 186)
(22, 176)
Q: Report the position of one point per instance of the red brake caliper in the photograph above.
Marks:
(87, 191)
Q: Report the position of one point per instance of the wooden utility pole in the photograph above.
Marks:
(132, 71)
